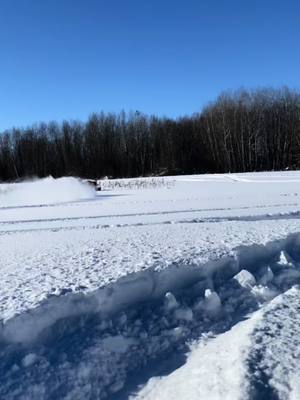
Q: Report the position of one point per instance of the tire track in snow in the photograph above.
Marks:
(246, 218)
(145, 214)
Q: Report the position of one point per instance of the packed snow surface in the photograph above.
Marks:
(181, 286)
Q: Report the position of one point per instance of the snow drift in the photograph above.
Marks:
(44, 192)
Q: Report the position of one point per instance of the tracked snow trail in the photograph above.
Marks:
(54, 263)
(89, 345)
(125, 221)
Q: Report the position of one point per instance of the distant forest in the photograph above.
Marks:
(246, 130)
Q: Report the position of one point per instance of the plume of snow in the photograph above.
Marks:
(45, 192)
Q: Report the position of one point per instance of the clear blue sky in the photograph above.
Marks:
(63, 59)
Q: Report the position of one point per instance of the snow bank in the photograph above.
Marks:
(44, 192)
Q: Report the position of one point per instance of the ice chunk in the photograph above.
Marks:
(212, 302)
(245, 279)
(265, 293)
(283, 260)
(170, 302)
(267, 277)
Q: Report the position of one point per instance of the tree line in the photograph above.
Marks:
(245, 130)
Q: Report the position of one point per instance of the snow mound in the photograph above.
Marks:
(45, 192)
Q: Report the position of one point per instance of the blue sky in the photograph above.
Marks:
(63, 59)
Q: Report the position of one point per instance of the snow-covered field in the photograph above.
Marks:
(185, 288)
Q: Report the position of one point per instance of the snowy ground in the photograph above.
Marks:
(187, 289)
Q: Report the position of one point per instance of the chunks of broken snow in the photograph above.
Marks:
(284, 258)
(265, 293)
(261, 287)
(172, 305)
(140, 317)
(212, 301)
(170, 302)
(245, 279)
(210, 305)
